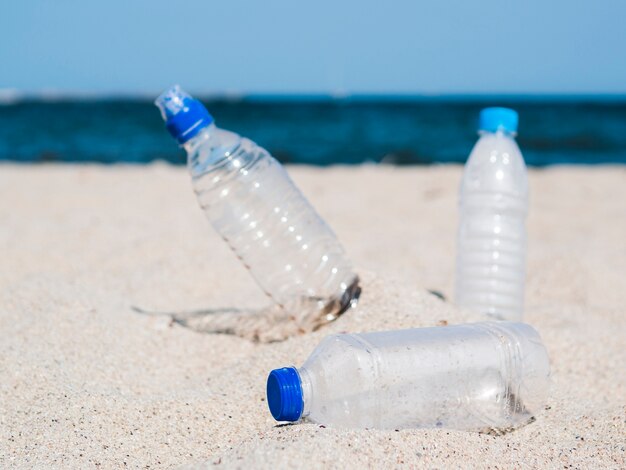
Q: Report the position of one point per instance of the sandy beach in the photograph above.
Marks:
(86, 380)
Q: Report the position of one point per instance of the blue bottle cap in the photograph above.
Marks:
(284, 394)
(184, 116)
(495, 119)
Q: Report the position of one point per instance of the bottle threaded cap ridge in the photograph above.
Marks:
(284, 394)
(184, 115)
(495, 119)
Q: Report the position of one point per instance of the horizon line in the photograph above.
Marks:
(13, 96)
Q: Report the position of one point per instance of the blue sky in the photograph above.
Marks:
(352, 46)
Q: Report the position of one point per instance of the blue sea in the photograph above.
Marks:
(318, 130)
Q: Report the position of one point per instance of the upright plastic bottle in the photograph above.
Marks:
(493, 203)
(491, 375)
(253, 204)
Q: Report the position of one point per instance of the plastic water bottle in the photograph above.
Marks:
(491, 246)
(253, 204)
(480, 376)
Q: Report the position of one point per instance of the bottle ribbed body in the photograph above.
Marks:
(490, 375)
(256, 208)
(491, 244)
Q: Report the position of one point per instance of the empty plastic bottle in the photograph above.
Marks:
(253, 204)
(493, 203)
(490, 375)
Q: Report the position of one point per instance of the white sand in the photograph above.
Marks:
(86, 381)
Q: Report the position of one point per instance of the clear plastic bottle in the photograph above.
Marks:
(253, 204)
(493, 203)
(491, 375)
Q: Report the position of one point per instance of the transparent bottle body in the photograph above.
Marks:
(490, 375)
(491, 243)
(256, 208)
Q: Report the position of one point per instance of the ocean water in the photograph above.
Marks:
(317, 130)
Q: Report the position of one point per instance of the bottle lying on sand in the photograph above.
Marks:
(256, 208)
(488, 376)
(493, 203)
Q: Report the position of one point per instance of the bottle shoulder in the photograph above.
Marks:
(496, 143)
(339, 349)
(495, 165)
(224, 152)
(214, 142)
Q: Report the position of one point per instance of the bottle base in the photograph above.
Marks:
(306, 314)
(339, 305)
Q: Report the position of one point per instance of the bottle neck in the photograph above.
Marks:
(201, 137)
(307, 391)
(498, 133)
